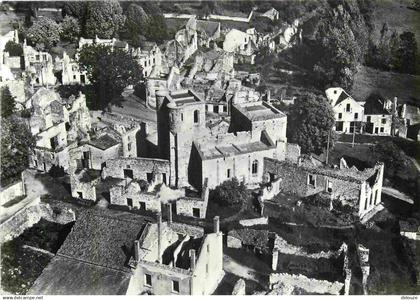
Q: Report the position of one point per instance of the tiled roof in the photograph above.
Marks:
(102, 239)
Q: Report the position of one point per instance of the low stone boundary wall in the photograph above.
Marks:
(310, 285)
(12, 191)
(252, 222)
(31, 215)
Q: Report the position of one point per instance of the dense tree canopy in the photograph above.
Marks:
(44, 31)
(109, 71)
(7, 102)
(310, 120)
(391, 155)
(104, 19)
(229, 193)
(14, 49)
(146, 20)
(16, 144)
(70, 29)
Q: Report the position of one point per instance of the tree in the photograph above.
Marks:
(229, 193)
(7, 103)
(391, 155)
(103, 19)
(109, 71)
(70, 29)
(44, 31)
(156, 30)
(310, 121)
(16, 144)
(405, 61)
(137, 20)
(339, 49)
(13, 48)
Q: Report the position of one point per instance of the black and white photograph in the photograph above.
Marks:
(218, 147)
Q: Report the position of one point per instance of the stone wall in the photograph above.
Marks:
(295, 181)
(310, 285)
(120, 194)
(12, 191)
(140, 167)
(83, 190)
(31, 215)
(194, 207)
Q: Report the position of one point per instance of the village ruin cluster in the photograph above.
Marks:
(180, 171)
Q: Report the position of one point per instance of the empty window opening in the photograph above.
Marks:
(196, 212)
(228, 173)
(147, 279)
(175, 286)
(311, 180)
(142, 205)
(329, 186)
(255, 167)
(149, 177)
(129, 202)
(196, 116)
(128, 173)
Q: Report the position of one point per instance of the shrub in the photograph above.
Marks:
(229, 193)
(13, 48)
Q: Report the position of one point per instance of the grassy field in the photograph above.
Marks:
(405, 87)
(398, 17)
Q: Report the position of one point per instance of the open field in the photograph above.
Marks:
(389, 84)
(399, 18)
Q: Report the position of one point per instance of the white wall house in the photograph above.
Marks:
(348, 112)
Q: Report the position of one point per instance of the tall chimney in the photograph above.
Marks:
(192, 259)
(216, 224)
(159, 219)
(136, 250)
(169, 213)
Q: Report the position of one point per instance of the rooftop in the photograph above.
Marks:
(183, 97)
(239, 146)
(103, 240)
(104, 142)
(259, 111)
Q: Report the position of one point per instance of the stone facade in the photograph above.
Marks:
(160, 269)
(361, 190)
(138, 169)
(57, 124)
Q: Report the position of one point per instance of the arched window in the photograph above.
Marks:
(196, 116)
(255, 167)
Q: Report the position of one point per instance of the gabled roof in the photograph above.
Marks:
(375, 106)
(209, 27)
(102, 240)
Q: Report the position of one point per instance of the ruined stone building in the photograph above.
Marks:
(71, 72)
(256, 130)
(242, 44)
(149, 58)
(58, 125)
(360, 190)
(176, 259)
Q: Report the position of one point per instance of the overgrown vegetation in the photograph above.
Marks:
(20, 266)
(229, 193)
(310, 122)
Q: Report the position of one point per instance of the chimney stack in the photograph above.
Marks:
(159, 219)
(216, 224)
(192, 259)
(169, 213)
(136, 250)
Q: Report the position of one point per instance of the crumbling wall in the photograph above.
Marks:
(239, 288)
(31, 215)
(295, 181)
(12, 191)
(139, 166)
(310, 285)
